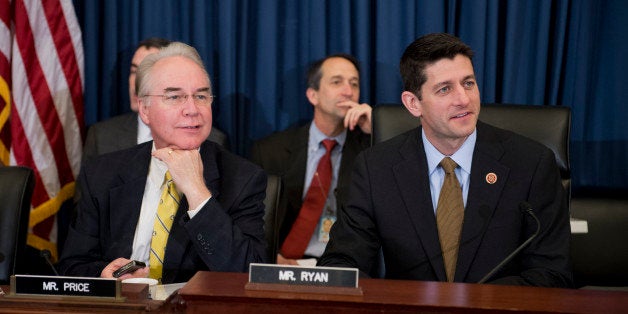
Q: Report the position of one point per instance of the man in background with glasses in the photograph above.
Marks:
(179, 204)
(127, 129)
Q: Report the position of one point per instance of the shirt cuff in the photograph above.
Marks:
(193, 212)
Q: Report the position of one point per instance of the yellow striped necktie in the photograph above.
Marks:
(166, 210)
(449, 216)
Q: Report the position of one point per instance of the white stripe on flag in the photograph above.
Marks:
(5, 43)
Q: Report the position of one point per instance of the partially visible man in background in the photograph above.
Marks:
(310, 199)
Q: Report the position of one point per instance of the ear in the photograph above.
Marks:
(143, 109)
(412, 103)
(312, 96)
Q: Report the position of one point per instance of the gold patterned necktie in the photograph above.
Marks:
(166, 210)
(449, 216)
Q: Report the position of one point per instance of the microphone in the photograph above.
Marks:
(46, 255)
(526, 208)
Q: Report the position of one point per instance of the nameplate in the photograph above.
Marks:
(65, 286)
(306, 276)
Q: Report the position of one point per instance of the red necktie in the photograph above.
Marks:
(299, 237)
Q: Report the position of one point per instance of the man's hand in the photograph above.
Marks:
(357, 114)
(186, 168)
(107, 272)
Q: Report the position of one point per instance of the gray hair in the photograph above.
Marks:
(143, 80)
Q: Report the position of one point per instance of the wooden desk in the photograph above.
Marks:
(135, 294)
(225, 293)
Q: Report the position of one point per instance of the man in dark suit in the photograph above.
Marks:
(334, 91)
(128, 130)
(216, 218)
(395, 196)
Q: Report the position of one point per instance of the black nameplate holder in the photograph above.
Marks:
(57, 286)
(326, 280)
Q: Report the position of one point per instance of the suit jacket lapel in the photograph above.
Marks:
(126, 199)
(295, 174)
(483, 197)
(356, 142)
(210, 168)
(413, 183)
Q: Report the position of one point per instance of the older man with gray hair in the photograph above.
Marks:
(179, 203)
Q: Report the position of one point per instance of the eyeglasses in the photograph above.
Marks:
(176, 99)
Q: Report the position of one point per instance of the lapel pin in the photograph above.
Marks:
(491, 178)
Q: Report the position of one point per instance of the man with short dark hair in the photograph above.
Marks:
(442, 201)
(296, 154)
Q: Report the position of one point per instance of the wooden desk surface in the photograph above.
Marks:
(225, 292)
(135, 294)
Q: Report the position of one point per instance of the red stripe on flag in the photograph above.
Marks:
(5, 75)
(5, 13)
(5, 18)
(41, 96)
(20, 144)
(5, 68)
(67, 56)
(44, 228)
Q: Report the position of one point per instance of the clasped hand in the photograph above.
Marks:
(357, 114)
(186, 169)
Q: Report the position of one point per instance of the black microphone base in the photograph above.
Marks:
(33, 263)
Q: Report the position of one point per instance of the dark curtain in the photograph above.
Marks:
(553, 53)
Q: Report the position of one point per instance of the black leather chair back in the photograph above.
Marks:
(271, 215)
(549, 125)
(16, 189)
(600, 256)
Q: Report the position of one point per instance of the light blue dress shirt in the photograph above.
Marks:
(463, 157)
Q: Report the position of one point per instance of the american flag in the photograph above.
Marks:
(41, 104)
